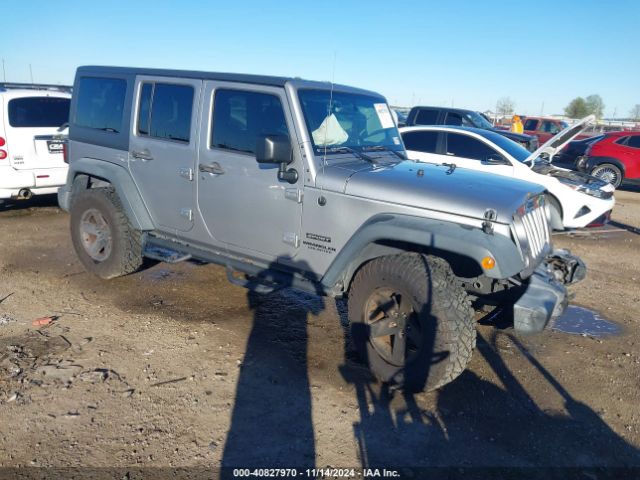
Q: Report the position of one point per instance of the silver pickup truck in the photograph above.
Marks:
(302, 184)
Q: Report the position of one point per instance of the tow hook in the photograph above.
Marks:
(565, 267)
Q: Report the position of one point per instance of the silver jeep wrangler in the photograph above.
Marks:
(293, 183)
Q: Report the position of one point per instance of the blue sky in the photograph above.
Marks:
(466, 53)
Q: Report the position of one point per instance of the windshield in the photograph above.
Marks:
(341, 121)
(479, 121)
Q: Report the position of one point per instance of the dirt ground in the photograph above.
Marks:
(175, 367)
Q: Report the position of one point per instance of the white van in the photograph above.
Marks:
(33, 128)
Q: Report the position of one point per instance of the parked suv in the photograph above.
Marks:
(33, 121)
(294, 183)
(465, 118)
(614, 157)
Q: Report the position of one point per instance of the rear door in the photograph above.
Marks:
(32, 130)
(422, 145)
(163, 147)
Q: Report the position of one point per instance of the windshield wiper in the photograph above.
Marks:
(382, 148)
(351, 150)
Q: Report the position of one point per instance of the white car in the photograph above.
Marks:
(576, 199)
(33, 126)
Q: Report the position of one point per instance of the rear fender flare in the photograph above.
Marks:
(82, 170)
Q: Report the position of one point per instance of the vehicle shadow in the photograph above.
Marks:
(487, 428)
(271, 423)
(624, 226)
(37, 201)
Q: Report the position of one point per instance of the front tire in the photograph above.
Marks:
(609, 173)
(104, 239)
(411, 321)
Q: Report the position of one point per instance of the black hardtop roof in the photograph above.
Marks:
(220, 76)
(450, 109)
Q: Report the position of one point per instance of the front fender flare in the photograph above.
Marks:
(427, 234)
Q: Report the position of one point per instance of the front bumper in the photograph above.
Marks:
(545, 296)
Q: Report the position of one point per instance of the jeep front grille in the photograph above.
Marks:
(531, 223)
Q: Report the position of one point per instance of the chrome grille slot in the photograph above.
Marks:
(532, 229)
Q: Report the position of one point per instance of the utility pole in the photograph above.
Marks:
(4, 73)
(542, 109)
(31, 73)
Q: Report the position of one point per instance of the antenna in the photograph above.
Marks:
(321, 199)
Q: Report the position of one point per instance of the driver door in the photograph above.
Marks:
(469, 152)
(242, 202)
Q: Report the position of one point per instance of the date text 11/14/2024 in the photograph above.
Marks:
(316, 473)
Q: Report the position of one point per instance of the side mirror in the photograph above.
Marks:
(276, 149)
(273, 149)
(495, 159)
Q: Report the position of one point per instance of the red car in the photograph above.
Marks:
(614, 158)
(543, 128)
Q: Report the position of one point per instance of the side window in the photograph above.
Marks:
(101, 103)
(144, 110)
(171, 107)
(634, 141)
(468, 147)
(530, 124)
(622, 140)
(550, 127)
(239, 117)
(454, 119)
(421, 141)
(427, 117)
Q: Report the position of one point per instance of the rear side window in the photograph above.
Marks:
(427, 117)
(101, 103)
(530, 124)
(634, 141)
(421, 141)
(622, 140)
(468, 147)
(239, 117)
(165, 111)
(38, 112)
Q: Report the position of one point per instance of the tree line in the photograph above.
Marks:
(579, 107)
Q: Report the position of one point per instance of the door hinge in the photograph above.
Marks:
(186, 173)
(186, 213)
(291, 238)
(293, 194)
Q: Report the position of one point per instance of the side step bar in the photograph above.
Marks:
(166, 255)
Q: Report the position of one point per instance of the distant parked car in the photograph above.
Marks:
(575, 199)
(569, 155)
(465, 118)
(544, 128)
(613, 158)
(33, 126)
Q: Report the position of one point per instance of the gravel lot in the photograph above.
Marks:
(174, 367)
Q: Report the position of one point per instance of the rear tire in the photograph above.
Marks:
(104, 239)
(411, 321)
(609, 173)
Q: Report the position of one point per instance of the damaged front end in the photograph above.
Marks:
(544, 297)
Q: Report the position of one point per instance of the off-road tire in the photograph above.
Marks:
(441, 307)
(600, 171)
(125, 255)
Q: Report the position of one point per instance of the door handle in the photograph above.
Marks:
(213, 168)
(142, 154)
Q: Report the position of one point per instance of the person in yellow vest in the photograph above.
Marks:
(516, 125)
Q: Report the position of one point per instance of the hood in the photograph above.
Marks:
(558, 141)
(432, 187)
